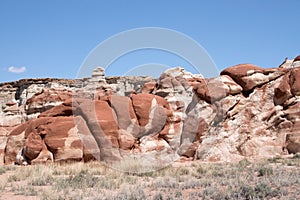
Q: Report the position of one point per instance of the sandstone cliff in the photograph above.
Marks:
(246, 112)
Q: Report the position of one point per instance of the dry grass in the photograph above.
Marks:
(271, 179)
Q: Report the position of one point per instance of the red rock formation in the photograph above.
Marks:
(283, 91)
(45, 100)
(295, 81)
(297, 58)
(250, 76)
(247, 112)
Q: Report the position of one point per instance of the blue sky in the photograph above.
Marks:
(53, 38)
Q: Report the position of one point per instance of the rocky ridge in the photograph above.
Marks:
(246, 112)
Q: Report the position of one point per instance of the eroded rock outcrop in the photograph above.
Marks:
(246, 112)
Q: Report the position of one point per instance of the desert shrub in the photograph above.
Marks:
(217, 172)
(265, 171)
(79, 181)
(178, 194)
(190, 184)
(140, 167)
(134, 193)
(244, 192)
(259, 191)
(208, 181)
(195, 195)
(213, 171)
(182, 171)
(108, 184)
(24, 190)
(158, 196)
(97, 168)
(2, 186)
(262, 190)
(51, 196)
(296, 156)
(166, 182)
(13, 178)
(2, 169)
(274, 160)
(41, 180)
(208, 192)
(201, 170)
(243, 163)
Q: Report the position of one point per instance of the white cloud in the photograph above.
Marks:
(17, 70)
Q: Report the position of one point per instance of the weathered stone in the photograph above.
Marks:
(126, 117)
(295, 81)
(296, 62)
(45, 100)
(150, 114)
(101, 121)
(250, 76)
(3, 142)
(293, 143)
(282, 91)
(246, 112)
(148, 87)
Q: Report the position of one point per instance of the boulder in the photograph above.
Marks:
(214, 89)
(149, 87)
(45, 100)
(282, 91)
(293, 143)
(125, 115)
(15, 143)
(296, 62)
(62, 139)
(3, 142)
(151, 115)
(102, 123)
(191, 138)
(232, 86)
(295, 81)
(250, 76)
(297, 58)
(56, 136)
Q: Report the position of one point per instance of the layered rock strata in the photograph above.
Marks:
(246, 112)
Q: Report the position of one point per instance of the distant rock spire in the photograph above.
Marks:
(286, 63)
(98, 75)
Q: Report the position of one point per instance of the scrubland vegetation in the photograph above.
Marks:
(275, 178)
